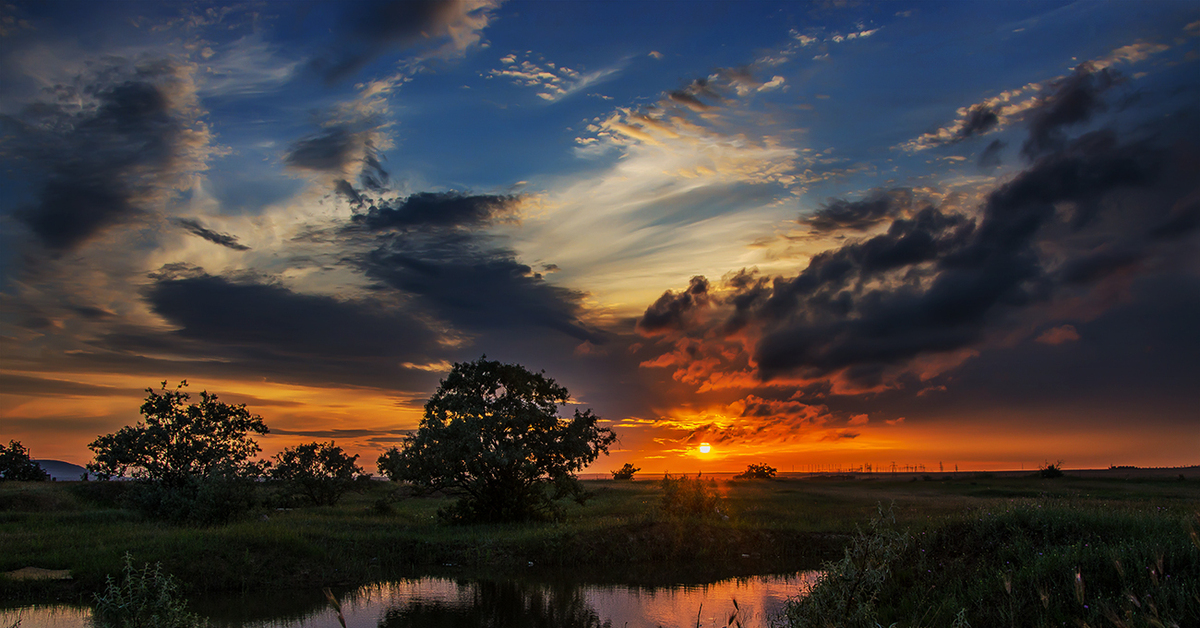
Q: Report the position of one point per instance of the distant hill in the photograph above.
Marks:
(63, 471)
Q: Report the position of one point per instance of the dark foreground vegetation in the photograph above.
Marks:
(988, 551)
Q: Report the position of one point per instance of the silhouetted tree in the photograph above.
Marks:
(756, 472)
(491, 434)
(322, 472)
(626, 472)
(15, 464)
(193, 459)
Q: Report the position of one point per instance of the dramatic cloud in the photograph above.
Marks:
(475, 286)
(669, 311)
(938, 282)
(1074, 100)
(108, 153)
(272, 318)
(879, 206)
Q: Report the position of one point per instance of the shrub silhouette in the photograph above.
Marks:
(756, 472)
(626, 472)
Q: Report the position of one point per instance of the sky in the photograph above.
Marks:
(810, 235)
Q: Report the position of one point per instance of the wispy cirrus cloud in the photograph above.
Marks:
(552, 82)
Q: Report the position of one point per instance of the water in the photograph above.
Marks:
(449, 603)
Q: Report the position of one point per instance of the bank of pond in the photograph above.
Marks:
(978, 550)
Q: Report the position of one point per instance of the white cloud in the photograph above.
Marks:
(552, 82)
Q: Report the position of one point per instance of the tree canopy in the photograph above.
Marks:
(193, 459)
(16, 465)
(491, 434)
(181, 441)
(322, 472)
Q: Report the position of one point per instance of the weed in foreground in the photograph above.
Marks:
(144, 598)
(847, 593)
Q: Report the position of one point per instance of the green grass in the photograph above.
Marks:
(772, 526)
(1032, 563)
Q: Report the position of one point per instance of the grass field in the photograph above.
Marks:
(622, 535)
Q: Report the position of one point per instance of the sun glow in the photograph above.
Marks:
(705, 448)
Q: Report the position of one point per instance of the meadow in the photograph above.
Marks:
(1001, 547)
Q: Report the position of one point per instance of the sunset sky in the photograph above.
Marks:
(835, 233)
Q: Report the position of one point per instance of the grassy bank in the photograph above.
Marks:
(1029, 564)
(771, 525)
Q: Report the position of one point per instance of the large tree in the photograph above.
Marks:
(193, 460)
(491, 434)
(180, 441)
(16, 465)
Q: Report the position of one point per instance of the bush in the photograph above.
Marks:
(144, 598)
(690, 497)
(756, 472)
(322, 472)
(626, 472)
(1051, 470)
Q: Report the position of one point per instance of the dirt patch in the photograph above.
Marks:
(37, 573)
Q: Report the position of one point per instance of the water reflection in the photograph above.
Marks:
(448, 603)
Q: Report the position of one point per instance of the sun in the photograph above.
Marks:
(705, 448)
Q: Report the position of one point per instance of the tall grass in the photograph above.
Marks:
(1033, 564)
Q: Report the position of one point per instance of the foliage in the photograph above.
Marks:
(1051, 470)
(849, 589)
(193, 459)
(757, 472)
(690, 497)
(15, 464)
(626, 472)
(144, 598)
(322, 472)
(179, 441)
(491, 435)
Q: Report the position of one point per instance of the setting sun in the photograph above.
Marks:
(705, 448)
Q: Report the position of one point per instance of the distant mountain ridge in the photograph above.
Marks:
(63, 471)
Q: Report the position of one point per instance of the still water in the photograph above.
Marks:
(449, 603)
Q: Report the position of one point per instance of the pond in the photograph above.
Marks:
(453, 603)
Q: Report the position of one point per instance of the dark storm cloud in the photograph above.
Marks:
(670, 310)
(939, 281)
(271, 321)
(438, 209)
(370, 29)
(97, 167)
(475, 286)
(879, 206)
(195, 228)
(1075, 99)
